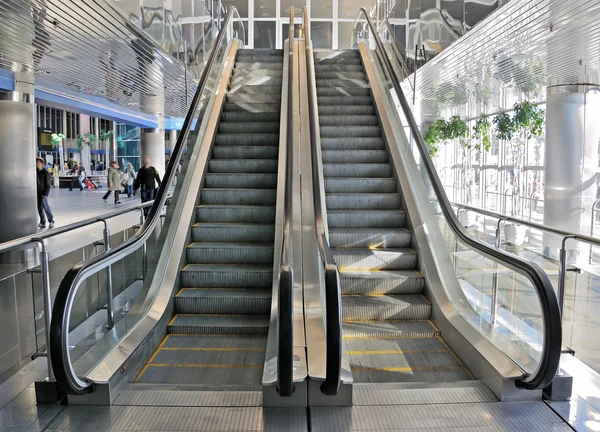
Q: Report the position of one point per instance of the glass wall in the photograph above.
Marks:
(128, 145)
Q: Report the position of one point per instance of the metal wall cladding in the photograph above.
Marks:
(92, 49)
(511, 55)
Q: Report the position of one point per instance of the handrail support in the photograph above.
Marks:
(110, 322)
(47, 294)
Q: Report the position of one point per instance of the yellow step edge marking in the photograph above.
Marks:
(164, 341)
(455, 356)
(350, 338)
(419, 273)
(432, 351)
(214, 349)
(208, 366)
(407, 369)
(210, 335)
(184, 268)
(172, 320)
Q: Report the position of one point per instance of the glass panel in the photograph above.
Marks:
(501, 304)
(321, 9)
(287, 4)
(241, 5)
(285, 29)
(264, 9)
(264, 34)
(137, 277)
(347, 8)
(345, 34)
(321, 34)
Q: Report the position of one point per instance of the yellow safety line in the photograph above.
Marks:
(419, 273)
(186, 266)
(172, 320)
(455, 356)
(350, 338)
(432, 351)
(210, 335)
(207, 366)
(214, 349)
(406, 368)
(151, 359)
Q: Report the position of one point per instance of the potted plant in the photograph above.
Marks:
(527, 122)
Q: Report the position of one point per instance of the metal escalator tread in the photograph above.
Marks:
(218, 335)
(387, 333)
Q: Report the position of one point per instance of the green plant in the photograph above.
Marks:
(527, 122)
(105, 135)
(482, 131)
(87, 138)
(434, 136)
(56, 139)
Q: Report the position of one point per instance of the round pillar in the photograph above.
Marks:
(18, 153)
(571, 160)
(152, 143)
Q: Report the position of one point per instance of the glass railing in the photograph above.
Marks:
(509, 300)
(152, 243)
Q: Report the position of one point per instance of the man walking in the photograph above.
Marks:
(43, 190)
(145, 179)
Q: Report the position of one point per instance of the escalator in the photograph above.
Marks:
(215, 312)
(387, 331)
(218, 334)
(411, 301)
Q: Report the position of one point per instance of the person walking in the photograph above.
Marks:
(77, 171)
(55, 175)
(145, 180)
(43, 190)
(114, 182)
(129, 179)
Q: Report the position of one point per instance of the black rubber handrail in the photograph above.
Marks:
(285, 299)
(66, 377)
(333, 292)
(551, 352)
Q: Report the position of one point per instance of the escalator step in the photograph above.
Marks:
(248, 128)
(321, 55)
(342, 83)
(256, 82)
(343, 91)
(366, 218)
(234, 116)
(209, 357)
(238, 180)
(360, 185)
(229, 253)
(357, 170)
(219, 324)
(242, 166)
(256, 301)
(345, 100)
(348, 120)
(242, 152)
(389, 330)
(350, 131)
(255, 89)
(381, 282)
(252, 107)
(348, 259)
(244, 139)
(332, 75)
(370, 237)
(352, 143)
(356, 201)
(240, 64)
(237, 72)
(254, 342)
(386, 307)
(239, 196)
(416, 374)
(319, 67)
(235, 213)
(223, 275)
(237, 98)
(238, 232)
(210, 376)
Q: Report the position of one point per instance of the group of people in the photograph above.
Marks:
(118, 182)
(130, 183)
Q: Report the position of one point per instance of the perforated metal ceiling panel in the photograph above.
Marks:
(87, 49)
(513, 54)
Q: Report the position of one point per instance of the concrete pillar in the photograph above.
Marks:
(152, 143)
(17, 153)
(172, 140)
(572, 134)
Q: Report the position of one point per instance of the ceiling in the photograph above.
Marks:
(512, 55)
(88, 49)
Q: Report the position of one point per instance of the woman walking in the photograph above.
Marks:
(128, 179)
(114, 182)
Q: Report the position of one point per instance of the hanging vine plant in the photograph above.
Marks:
(482, 130)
